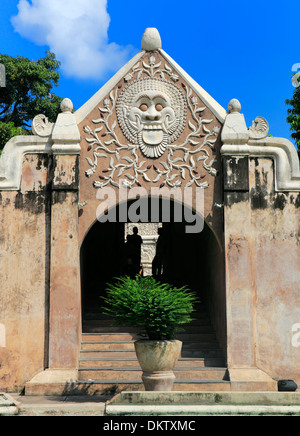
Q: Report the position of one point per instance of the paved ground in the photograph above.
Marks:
(60, 405)
(18, 405)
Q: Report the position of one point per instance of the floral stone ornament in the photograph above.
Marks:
(152, 114)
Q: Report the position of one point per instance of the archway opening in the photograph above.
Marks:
(192, 259)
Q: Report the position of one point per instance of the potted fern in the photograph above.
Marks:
(159, 310)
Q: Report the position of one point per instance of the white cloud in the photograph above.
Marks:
(76, 31)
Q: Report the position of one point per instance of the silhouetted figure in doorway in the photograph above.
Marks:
(136, 241)
(131, 263)
(159, 259)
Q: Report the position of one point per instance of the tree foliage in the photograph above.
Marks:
(294, 116)
(8, 130)
(28, 92)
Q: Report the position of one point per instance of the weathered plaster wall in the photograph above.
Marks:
(65, 301)
(39, 268)
(275, 223)
(24, 272)
(263, 263)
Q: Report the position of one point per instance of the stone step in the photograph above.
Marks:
(102, 345)
(108, 362)
(113, 387)
(134, 373)
(116, 352)
(125, 336)
(8, 406)
(129, 345)
(86, 362)
(109, 337)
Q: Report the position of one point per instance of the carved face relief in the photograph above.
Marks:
(152, 114)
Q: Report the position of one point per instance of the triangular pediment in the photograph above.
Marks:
(150, 126)
(151, 109)
(219, 112)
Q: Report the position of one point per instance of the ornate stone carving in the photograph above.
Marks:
(152, 114)
(41, 126)
(259, 128)
(145, 229)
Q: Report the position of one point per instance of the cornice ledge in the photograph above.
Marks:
(61, 137)
(254, 142)
(11, 160)
(281, 150)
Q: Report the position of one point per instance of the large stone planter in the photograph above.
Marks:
(157, 360)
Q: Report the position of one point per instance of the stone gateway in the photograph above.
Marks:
(150, 127)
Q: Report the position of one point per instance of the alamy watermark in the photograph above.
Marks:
(296, 76)
(162, 205)
(296, 335)
(2, 336)
(2, 76)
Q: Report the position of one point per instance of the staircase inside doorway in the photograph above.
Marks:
(108, 363)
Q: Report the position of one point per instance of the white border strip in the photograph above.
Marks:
(186, 410)
(84, 111)
(219, 112)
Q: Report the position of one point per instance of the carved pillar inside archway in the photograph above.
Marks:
(148, 232)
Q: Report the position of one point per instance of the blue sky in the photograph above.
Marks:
(233, 49)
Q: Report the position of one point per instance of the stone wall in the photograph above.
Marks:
(263, 266)
(275, 228)
(24, 272)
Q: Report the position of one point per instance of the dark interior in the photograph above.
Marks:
(190, 259)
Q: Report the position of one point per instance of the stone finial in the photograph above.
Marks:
(151, 39)
(65, 135)
(66, 105)
(234, 106)
(235, 130)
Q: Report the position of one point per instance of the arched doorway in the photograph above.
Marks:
(192, 259)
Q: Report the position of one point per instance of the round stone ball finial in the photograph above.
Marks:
(66, 105)
(234, 106)
(151, 39)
